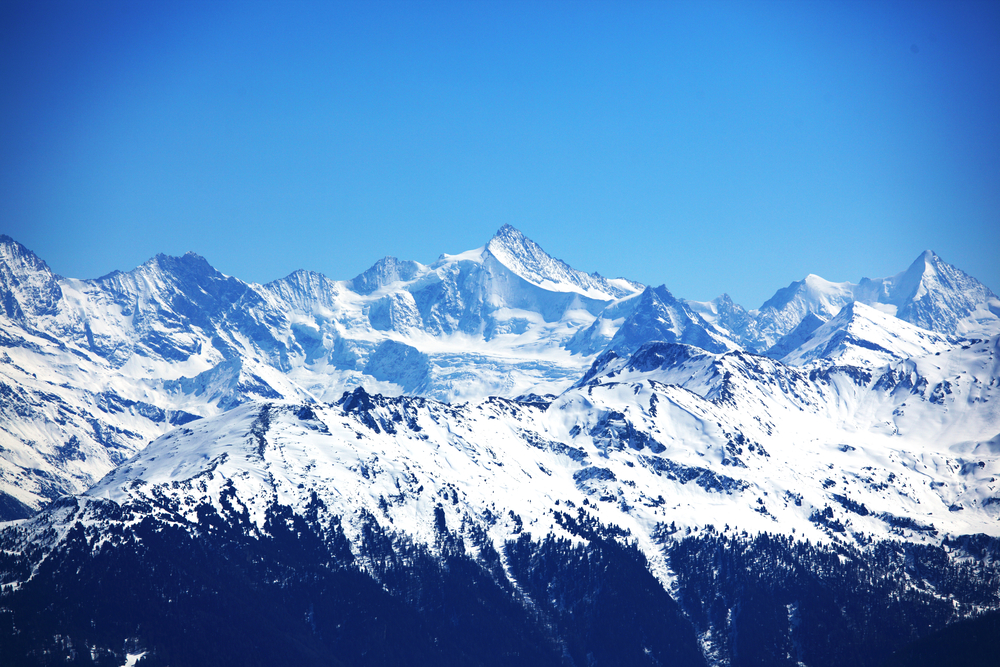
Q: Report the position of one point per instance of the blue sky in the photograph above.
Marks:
(711, 146)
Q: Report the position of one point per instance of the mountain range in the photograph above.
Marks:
(492, 458)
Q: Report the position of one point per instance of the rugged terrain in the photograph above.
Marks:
(493, 458)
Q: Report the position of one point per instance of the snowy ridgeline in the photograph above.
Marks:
(490, 460)
(650, 511)
(671, 434)
(93, 370)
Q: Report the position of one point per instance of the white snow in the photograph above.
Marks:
(770, 445)
(132, 658)
(105, 371)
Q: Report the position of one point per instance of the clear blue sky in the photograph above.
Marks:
(711, 146)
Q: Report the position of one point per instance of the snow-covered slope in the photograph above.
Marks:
(935, 295)
(411, 492)
(181, 337)
(931, 294)
(526, 259)
(938, 405)
(672, 431)
(177, 337)
(783, 311)
(66, 417)
(653, 315)
(674, 450)
(862, 336)
(729, 318)
(628, 429)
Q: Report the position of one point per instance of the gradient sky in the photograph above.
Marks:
(711, 146)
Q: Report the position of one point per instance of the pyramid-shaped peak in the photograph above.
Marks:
(27, 285)
(511, 238)
(913, 282)
(863, 335)
(659, 316)
(525, 258)
(925, 261)
(19, 258)
(509, 231)
(657, 294)
(724, 298)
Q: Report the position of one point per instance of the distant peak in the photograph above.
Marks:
(513, 248)
(302, 274)
(926, 262)
(509, 235)
(528, 260)
(8, 241)
(508, 230)
(925, 259)
(661, 292)
(14, 252)
(821, 284)
(388, 260)
(190, 263)
(384, 272)
(190, 257)
(849, 310)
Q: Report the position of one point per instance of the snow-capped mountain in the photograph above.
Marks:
(180, 337)
(862, 336)
(730, 317)
(673, 450)
(737, 425)
(526, 259)
(937, 296)
(28, 288)
(132, 353)
(565, 446)
(655, 314)
(931, 294)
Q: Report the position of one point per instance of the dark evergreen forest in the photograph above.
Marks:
(222, 596)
